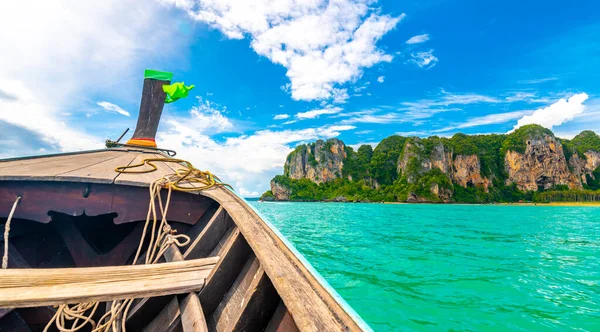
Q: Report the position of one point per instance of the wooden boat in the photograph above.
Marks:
(77, 224)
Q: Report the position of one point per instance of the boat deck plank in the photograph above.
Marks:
(47, 169)
(102, 172)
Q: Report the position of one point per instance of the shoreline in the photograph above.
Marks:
(589, 204)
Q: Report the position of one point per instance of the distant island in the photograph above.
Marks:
(527, 165)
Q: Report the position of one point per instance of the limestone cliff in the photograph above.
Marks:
(584, 168)
(467, 171)
(280, 192)
(319, 162)
(542, 165)
(463, 168)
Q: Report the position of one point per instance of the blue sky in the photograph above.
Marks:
(275, 74)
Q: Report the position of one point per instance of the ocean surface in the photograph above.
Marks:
(453, 267)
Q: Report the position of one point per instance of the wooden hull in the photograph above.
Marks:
(74, 212)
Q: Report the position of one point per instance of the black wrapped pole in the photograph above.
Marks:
(153, 101)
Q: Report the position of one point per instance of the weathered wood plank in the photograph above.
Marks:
(281, 321)
(176, 326)
(226, 238)
(309, 302)
(224, 273)
(102, 172)
(57, 159)
(192, 316)
(261, 299)
(165, 318)
(205, 242)
(41, 287)
(231, 306)
(201, 224)
(48, 168)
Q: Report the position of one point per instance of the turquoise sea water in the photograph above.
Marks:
(454, 267)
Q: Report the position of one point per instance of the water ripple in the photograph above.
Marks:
(454, 267)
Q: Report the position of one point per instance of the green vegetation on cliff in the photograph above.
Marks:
(384, 163)
(427, 170)
(517, 140)
(586, 141)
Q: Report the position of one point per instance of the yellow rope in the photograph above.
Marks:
(6, 231)
(162, 236)
(189, 174)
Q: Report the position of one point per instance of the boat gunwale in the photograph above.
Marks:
(321, 288)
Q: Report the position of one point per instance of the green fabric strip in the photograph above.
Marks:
(158, 75)
(176, 91)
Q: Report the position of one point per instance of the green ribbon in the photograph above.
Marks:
(158, 75)
(176, 91)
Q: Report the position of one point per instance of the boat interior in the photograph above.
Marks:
(75, 211)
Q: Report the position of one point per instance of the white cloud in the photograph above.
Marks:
(447, 99)
(26, 112)
(418, 39)
(528, 97)
(322, 44)
(539, 80)
(246, 193)
(65, 51)
(280, 116)
(556, 114)
(318, 112)
(381, 79)
(206, 117)
(424, 59)
(486, 120)
(112, 108)
(248, 162)
(372, 117)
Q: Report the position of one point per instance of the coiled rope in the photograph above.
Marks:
(162, 236)
(189, 174)
(6, 231)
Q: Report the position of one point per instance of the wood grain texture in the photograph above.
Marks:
(48, 168)
(102, 172)
(225, 272)
(42, 287)
(311, 305)
(261, 299)
(192, 316)
(229, 309)
(205, 242)
(281, 321)
(151, 106)
(201, 224)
